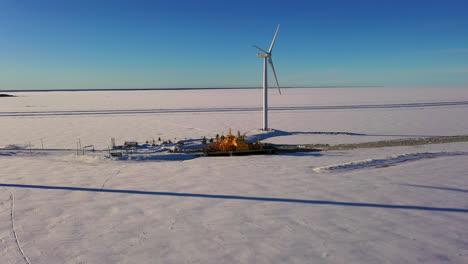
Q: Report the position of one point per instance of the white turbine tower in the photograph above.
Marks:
(267, 55)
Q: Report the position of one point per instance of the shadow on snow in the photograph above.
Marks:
(160, 157)
(247, 198)
(280, 133)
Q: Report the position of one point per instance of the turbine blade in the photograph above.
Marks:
(274, 38)
(260, 48)
(274, 74)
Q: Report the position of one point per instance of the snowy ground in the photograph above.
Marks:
(386, 205)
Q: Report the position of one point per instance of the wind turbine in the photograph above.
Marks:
(267, 55)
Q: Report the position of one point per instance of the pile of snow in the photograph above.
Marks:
(13, 147)
(384, 162)
(84, 159)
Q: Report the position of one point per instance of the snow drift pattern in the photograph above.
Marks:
(395, 159)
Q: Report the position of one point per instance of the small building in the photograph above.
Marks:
(130, 144)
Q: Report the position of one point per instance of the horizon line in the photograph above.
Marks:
(182, 88)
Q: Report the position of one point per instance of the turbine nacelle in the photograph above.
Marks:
(267, 54)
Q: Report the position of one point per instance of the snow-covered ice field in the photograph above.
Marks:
(384, 205)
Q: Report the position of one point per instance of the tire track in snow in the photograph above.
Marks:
(13, 228)
(231, 109)
(102, 187)
(384, 162)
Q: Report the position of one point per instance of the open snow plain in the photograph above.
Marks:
(386, 205)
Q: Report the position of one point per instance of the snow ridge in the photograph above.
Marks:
(384, 162)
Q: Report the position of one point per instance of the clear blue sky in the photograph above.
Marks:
(154, 44)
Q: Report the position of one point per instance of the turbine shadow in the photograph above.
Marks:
(279, 133)
(247, 198)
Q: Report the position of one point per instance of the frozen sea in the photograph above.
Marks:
(384, 205)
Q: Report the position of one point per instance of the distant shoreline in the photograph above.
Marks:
(180, 89)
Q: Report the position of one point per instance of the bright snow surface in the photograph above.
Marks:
(386, 205)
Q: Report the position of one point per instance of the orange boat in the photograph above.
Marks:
(230, 145)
